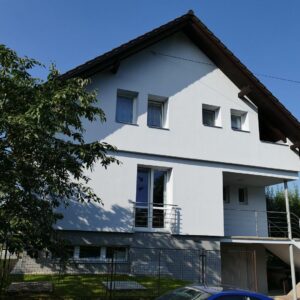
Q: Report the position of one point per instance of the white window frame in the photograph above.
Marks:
(217, 112)
(134, 97)
(164, 104)
(244, 119)
(102, 254)
(151, 206)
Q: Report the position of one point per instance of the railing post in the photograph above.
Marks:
(291, 250)
(256, 223)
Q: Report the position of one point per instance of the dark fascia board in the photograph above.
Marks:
(107, 60)
(268, 105)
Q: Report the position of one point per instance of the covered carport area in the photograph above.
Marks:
(244, 260)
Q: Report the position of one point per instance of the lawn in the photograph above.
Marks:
(90, 287)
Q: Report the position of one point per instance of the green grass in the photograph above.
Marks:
(90, 286)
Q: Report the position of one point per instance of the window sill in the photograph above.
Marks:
(161, 128)
(98, 261)
(125, 123)
(240, 130)
(147, 229)
(213, 126)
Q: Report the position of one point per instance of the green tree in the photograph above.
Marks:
(43, 152)
(276, 203)
(276, 200)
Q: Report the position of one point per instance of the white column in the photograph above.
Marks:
(291, 250)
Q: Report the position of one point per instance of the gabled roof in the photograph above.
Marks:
(276, 122)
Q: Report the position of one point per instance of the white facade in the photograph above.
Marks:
(198, 157)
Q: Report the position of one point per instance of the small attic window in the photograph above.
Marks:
(211, 115)
(239, 120)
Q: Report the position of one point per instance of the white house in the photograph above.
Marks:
(199, 138)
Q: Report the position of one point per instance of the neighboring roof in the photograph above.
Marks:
(276, 122)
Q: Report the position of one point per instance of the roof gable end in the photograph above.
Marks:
(271, 111)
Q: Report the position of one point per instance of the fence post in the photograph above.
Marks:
(111, 275)
(200, 268)
(203, 266)
(159, 262)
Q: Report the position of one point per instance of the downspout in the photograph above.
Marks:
(291, 249)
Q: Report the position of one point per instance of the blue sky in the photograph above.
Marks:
(263, 34)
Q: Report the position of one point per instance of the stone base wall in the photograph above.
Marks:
(188, 258)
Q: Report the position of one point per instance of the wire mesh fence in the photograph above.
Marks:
(145, 273)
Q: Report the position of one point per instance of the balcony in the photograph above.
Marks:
(259, 223)
(155, 217)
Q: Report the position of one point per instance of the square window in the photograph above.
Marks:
(236, 122)
(157, 111)
(211, 115)
(243, 196)
(155, 114)
(239, 120)
(126, 107)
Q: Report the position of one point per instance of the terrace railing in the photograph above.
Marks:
(260, 223)
(156, 216)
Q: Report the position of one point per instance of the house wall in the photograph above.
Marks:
(246, 219)
(196, 188)
(188, 85)
(196, 154)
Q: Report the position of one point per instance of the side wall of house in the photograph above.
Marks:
(195, 189)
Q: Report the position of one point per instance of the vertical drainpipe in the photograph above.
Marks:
(291, 250)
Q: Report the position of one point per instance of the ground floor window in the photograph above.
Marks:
(102, 253)
(90, 252)
(116, 253)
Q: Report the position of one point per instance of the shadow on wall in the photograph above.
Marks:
(193, 262)
(149, 73)
(93, 216)
(84, 216)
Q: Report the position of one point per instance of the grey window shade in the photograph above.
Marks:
(155, 114)
(124, 109)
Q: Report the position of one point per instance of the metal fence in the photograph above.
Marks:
(164, 268)
(149, 272)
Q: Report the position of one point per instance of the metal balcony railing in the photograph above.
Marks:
(156, 216)
(242, 222)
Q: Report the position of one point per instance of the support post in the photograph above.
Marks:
(290, 236)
